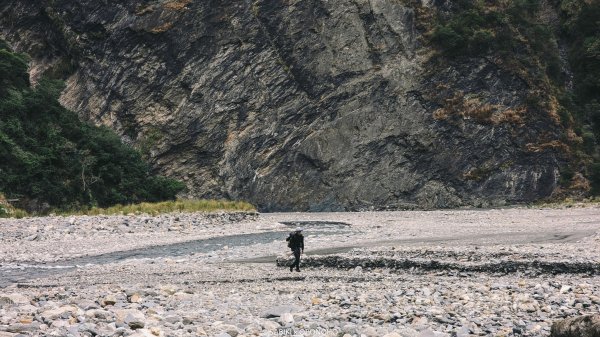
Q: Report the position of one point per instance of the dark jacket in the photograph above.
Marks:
(296, 240)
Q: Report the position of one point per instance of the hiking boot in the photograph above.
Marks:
(298, 270)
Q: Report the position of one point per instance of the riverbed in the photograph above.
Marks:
(503, 272)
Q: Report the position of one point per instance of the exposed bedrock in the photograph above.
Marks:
(298, 105)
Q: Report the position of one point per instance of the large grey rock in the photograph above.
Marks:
(5, 302)
(135, 320)
(55, 313)
(172, 319)
(279, 310)
(229, 329)
(108, 300)
(87, 304)
(426, 333)
(370, 332)
(17, 298)
(583, 326)
(99, 314)
(21, 327)
(309, 105)
(8, 334)
(286, 319)
(142, 333)
(223, 334)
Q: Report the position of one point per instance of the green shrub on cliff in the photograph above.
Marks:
(581, 28)
(8, 211)
(510, 30)
(521, 35)
(468, 33)
(48, 155)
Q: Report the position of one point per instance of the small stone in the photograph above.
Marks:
(53, 314)
(108, 300)
(142, 333)
(528, 307)
(172, 319)
(168, 289)
(278, 311)
(270, 325)
(135, 298)
(370, 332)
(565, 289)
(5, 302)
(7, 334)
(230, 330)
(87, 305)
(426, 333)
(349, 329)
(19, 299)
(59, 323)
(420, 323)
(32, 237)
(535, 328)
(19, 327)
(463, 331)
(135, 320)
(98, 314)
(286, 319)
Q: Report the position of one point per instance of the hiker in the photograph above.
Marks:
(296, 243)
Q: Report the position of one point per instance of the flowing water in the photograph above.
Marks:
(23, 272)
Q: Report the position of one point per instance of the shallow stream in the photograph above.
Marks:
(23, 272)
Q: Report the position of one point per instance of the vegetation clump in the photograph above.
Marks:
(49, 157)
(511, 33)
(581, 105)
(9, 211)
(526, 37)
(177, 5)
(177, 206)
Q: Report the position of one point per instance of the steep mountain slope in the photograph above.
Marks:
(299, 105)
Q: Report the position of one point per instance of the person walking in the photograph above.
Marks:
(296, 243)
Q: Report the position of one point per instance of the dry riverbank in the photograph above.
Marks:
(505, 272)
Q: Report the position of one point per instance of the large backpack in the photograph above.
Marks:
(289, 240)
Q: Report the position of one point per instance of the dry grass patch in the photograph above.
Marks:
(143, 10)
(177, 5)
(178, 206)
(482, 112)
(554, 144)
(162, 28)
(9, 211)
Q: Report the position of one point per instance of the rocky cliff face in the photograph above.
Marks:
(295, 105)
